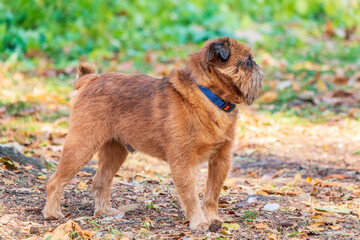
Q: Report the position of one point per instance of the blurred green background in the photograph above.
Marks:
(307, 48)
(66, 30)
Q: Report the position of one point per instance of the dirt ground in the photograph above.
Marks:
(289, 181)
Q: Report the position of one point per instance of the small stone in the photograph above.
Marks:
(271, 207)
(5, 219)
(215, 226)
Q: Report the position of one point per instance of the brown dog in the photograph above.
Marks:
(169, 118)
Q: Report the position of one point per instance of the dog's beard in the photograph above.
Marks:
(253, 88)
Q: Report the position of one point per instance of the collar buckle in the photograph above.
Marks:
(227, 107)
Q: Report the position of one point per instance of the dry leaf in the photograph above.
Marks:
(315, 227)
(335, 227)
(333, 209)
(272, 236)
(297, 177)
(8, 182)
(84, 174)
(337, 176)
(269, 97)
(9, 163)
(28, 167)
(98, 213)
(315, 230)
(261, 226)
(42, 177)
(82, 186)
(63, 231)
(317, 224)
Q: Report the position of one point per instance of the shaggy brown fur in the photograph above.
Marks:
(168, 118)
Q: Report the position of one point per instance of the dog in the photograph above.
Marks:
(185, 118)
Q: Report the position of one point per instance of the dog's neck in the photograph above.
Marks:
(211, 78)
(184, 83)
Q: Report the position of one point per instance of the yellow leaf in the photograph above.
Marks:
(272, 236)
(269, 97)
(297, 177)
(8, 182)
(261, 226)
(231, 226)
(335, 227)
(42, 177)
(321, 86)
(223, 192)
(82, 185)
(308, 179)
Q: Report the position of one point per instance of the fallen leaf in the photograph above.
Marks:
(333, 209)
(269, 97)
(337, 176)
(9, 163)
(42, 177)
(297, 177)
(231, 226)
(340, 77)
(261, 226)
(272, 236)
(64, 230)
(82, 186)
(335, 227)
(321, 86)
(28, 167)
(308, 179)
(98, 213)
(329, 28)
(84, 174)
(314, 229)
(8, 182)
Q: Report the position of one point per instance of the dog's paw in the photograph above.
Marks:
(199, 226)
(212, 216)
(52, 215)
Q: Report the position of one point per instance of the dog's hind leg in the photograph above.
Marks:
(111, 156)
(80, 146)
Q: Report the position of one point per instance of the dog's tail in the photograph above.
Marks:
(86, 72)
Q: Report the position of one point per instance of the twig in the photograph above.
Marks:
(134, 222)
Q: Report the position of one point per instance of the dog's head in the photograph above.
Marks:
(227, 67)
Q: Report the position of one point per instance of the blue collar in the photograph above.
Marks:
(223, 105)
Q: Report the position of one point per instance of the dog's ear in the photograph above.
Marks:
(218, 50)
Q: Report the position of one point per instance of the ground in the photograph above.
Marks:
(310, 170)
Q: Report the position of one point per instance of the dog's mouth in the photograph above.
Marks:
(255, 87)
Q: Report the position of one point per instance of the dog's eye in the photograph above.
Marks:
(248, 63)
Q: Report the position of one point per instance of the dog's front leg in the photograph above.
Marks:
(185, 183)
(219, 166)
